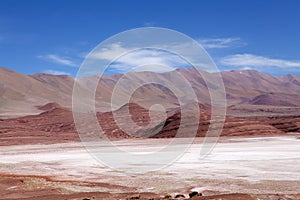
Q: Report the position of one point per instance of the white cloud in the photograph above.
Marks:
(254, 61)
(109, 53)
(125, 58)
(221, 43)
(55, 72)
(127, 55)
(158, 68)
(59, 60)
(246, 68)
(138, 60)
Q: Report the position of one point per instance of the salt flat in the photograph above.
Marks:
(256, 165)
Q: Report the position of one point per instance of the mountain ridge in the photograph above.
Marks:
(21, 94)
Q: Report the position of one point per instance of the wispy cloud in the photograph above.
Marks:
(55, 72)
(256, 62)
(221, 43)
(126, 58)
(59, 60)
(141, 60)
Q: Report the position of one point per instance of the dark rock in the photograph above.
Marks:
(22, 121)
(89, 198)
(179, 196)
(167, 196)
(134, 197)
(194, 193)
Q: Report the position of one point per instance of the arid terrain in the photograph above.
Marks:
(263, 168)
(256, 157)
(246, 91)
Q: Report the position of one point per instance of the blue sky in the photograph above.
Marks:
(54, 36)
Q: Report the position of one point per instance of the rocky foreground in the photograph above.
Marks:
(237, 168)
(43, 188)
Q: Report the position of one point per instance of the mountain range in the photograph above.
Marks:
(37, 108)
(22, 94)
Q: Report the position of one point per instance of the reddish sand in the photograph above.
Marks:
(22, 188)
(42, 188)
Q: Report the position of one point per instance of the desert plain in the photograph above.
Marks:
(257, 155)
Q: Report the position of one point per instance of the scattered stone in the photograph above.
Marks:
(194, 193)
(178, 196)
(134, 197)
(22, 121)
(89, 198)
(167, 196)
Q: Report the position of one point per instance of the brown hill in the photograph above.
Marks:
(60, 83)
(21, 94)
(56, 125)
(244, 85)
(52, 126)
(233, 126)
(48, 106)
(286, 124)
(275, 99)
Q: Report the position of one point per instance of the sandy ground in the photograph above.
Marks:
(266, 165)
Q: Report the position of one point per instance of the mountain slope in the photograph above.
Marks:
(21, 94)
(55, 124)
(244, 85)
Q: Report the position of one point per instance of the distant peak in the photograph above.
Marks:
(40, 74)
(49, 106)
(7, 70)
(250, 72)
